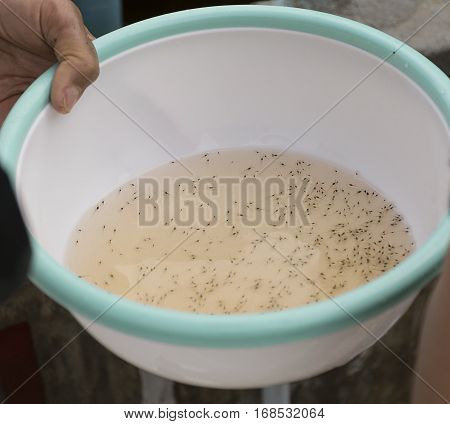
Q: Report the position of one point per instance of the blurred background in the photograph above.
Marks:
(33, 327)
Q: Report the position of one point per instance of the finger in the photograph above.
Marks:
(6, 105)
(65, 32)
(89, 34)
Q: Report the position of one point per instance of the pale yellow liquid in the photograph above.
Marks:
(353, 236)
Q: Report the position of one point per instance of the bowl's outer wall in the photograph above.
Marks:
(245, 368)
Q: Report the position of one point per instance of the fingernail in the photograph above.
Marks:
(71, 96)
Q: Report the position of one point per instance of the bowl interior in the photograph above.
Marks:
(232, 88)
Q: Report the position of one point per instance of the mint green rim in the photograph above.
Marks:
(253, 329)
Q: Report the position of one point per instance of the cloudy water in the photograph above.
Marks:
(247, 231)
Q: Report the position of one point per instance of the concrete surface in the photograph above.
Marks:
(399, 18)
(84, 372)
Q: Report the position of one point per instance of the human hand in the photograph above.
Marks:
(34, 34)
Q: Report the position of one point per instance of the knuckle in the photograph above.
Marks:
(62, 11)
(92, 69)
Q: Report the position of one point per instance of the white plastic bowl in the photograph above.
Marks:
(232, 77)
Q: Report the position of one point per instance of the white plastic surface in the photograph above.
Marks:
(234, 88)
(251, 367)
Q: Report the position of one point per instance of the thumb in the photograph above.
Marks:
(64, 30)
